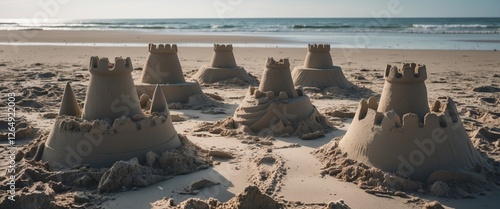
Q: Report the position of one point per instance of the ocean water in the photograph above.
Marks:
(399, 33)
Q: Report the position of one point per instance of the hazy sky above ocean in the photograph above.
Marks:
(99, 9)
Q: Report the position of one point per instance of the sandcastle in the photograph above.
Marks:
(112, 125)
(276, 106)
(222, 67)
(163, 68)
(318, 69)
(403, 135)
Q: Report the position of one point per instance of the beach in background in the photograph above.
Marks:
(371, 33)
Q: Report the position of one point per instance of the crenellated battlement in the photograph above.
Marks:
(120, 125)
(319, 47)
(163, 48)
(223, 47)
(282, 63)
(410, 72)
(447, 116)
(102, 66)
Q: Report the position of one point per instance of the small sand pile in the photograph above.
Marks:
(275, 108)
(163, 68)
(223, 69)
(251, 198)
(38, 185)
(318, 70)
(426, 150)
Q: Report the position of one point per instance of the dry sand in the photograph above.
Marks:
(282, 167)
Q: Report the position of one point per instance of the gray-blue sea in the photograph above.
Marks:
(377, 33)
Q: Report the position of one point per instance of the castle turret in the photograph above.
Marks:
(318, 69)
(162, 65)
(223, 68)
(318, 56)
(405, 91)
(111, 92)
(69, 104)
(223, 56)
(163, 70)
(277, 78)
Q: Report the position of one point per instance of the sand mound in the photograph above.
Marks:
(251, 198)
(318, 70)
(110, 116)
(223, 68)
(275, 108)
(163, 68)
(424, 146)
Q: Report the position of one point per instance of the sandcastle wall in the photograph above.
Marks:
(318, 69)
(403, 135)
(162, 65)
(223, 56)
(318, 56)
(113, 126)
(277, 78)
(111, 92)
(405, 91)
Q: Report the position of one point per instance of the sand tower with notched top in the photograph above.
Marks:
(112, 125)
(276, 106)
(318, 69)
(163, 68)
(402, 134)
(223, 67)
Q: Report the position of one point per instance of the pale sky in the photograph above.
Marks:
(99, 9)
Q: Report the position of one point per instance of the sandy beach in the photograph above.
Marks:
(37, 75)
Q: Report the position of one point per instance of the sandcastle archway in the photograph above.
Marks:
(402, 134)
(163, 68)
(318, 69)
(276, 106)
(222, 67)
(112, 125)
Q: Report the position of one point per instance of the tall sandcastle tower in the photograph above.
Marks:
(277, 107)
(402, 134)
(163, 68)
(318, 69)
(112, 125)
(223, 67)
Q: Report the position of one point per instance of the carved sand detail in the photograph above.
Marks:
(401, 134)
(112, 126)
(276, 107)
(163, 68)
(223, 67)
(318, 69)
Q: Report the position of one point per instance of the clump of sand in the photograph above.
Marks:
(251, 198)
(37, 183)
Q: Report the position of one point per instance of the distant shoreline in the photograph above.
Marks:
(259, 40)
